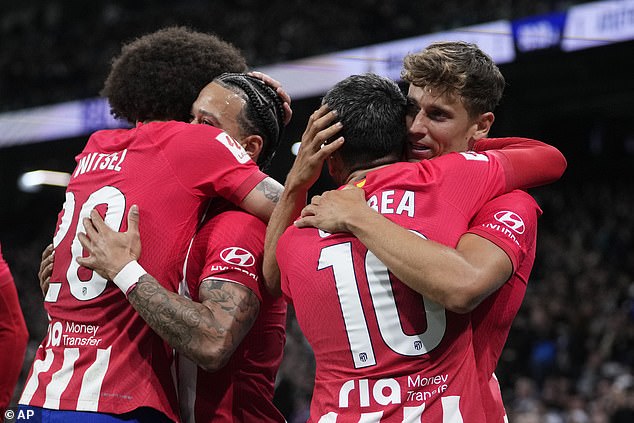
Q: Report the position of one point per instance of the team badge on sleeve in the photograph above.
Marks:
(234, 147)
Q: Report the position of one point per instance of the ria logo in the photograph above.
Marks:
(237, 256)
(512, 220)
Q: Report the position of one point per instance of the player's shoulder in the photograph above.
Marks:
(520, 195)
(107, 139)
(517, 199)
(172, 128)
(294, 236)
(449, 160)
(477, 158)
(515, 205)
(235, 216)
(390, 174)
(226, 220)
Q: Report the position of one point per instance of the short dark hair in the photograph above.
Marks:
(159, 75)
(372, 110)
(457, 68)
(263, 113)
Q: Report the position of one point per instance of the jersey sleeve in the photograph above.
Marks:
(524, 162)
(486, 144)
(467, 180)
(464, 181)
(14, 335)
(234, 251)
(510, 222)
(529, 163)
(211, 163)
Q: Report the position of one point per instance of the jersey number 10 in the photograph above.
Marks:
(339, 257)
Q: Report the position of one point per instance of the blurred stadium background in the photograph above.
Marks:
(569, 69)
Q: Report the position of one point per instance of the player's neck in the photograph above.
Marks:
(358, 174)
(145, 122)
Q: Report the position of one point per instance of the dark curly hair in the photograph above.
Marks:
(159, 75)
(263, 113)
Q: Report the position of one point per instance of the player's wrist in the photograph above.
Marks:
(359, 219)
(296, 184)
(127, 278)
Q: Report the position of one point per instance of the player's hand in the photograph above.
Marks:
(109, 251)
(46, 268)
(313, 150)
(334, 211)
(277, 86)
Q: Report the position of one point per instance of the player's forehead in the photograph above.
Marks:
(214, 98)
(437, 97)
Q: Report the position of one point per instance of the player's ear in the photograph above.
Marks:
(483, 125)
(336, 168)
(253, 145)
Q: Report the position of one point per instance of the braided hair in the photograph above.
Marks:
(263, 113)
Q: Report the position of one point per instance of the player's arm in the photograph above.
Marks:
(302, 175)
(206, 332)
(529, 163)
(261, 200)
(46, 268)
(458, 279)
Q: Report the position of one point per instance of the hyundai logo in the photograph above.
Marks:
(237, 256)
(512, 220)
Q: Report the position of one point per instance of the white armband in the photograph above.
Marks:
(128, 277)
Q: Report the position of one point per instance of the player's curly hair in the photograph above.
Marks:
(457, 68)
(263, 113)
(159, 75)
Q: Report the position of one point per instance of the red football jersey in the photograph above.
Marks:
(383, 352)
(98, 354)
(230, 246)
(510, 222)
(13, 335)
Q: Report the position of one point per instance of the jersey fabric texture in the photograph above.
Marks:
(98, 354)
(383, 352)
(13, 336)
(510, 222)
(229, 247)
